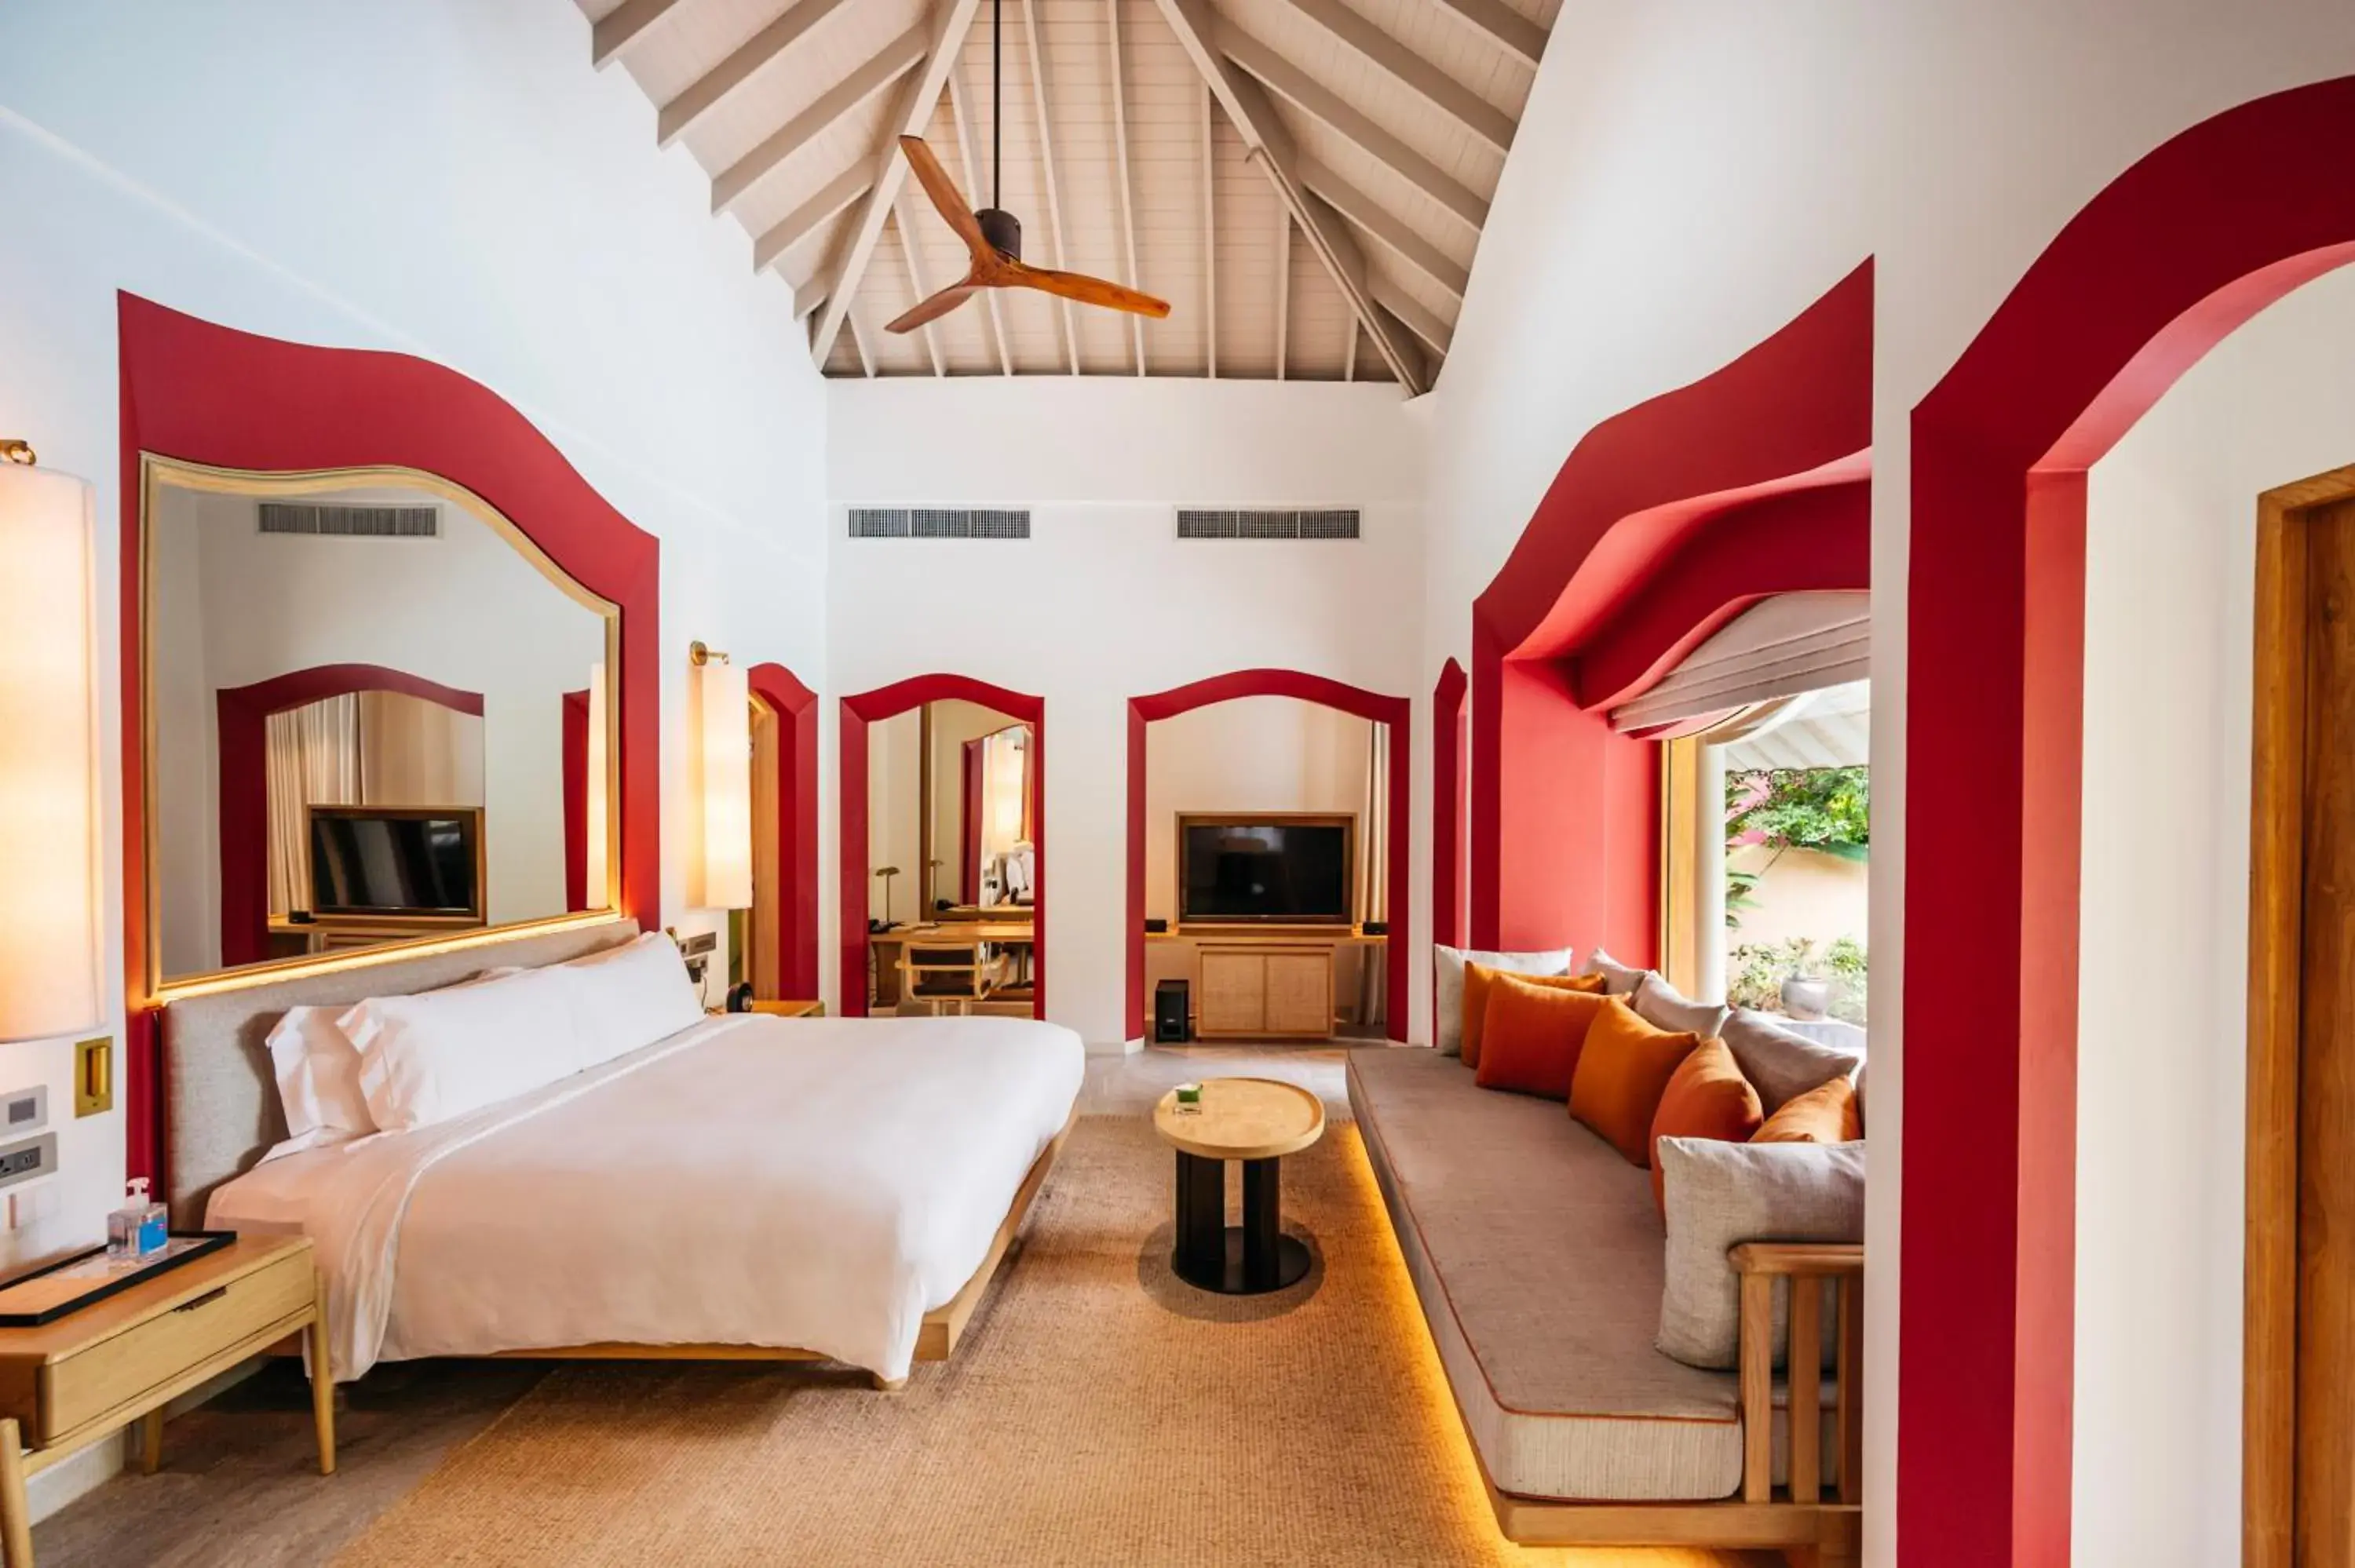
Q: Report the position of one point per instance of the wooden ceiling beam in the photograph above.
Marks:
(1283, 292)
(807, 219)
(1411, 315)
(1209, 237)
(886, 169)
(1046, 121)
(1410, 70)
(620, 29)
(897, 59)
(808, 297)
(971, 187)
(1379, 223)
(859, 341)
(1120, 168)
(919, 290)
(1254, 119)
(1291, 83)
(1500, 25)
(716, 86)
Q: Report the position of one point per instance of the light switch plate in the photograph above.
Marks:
(28, 1159)
(24, 1110)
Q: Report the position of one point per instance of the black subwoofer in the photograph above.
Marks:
(1170, 1005)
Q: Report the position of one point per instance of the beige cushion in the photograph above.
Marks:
(1618, 980)
(1535, 1251)
(1722, 1194)
(1780, 1063)
(1447, 984)
(1663, 1006)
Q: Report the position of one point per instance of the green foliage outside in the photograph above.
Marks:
(1755, 973)
(1829, 810)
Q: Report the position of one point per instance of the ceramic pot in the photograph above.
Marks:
(1806, 1000)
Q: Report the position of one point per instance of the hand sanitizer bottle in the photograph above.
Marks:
(136, 1230)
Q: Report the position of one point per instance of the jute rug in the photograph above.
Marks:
(1097, 1411)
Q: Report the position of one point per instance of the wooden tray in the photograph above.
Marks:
(71, 1284)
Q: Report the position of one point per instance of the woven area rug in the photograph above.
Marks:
(1097, 1411)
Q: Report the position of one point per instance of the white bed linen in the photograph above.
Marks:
(813, 1182)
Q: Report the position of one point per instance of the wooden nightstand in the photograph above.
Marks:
(791, 1009)
(88, 1375)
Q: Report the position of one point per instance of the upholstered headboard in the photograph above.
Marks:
(221, 1113)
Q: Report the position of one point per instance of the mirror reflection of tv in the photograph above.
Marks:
(1280, 869)
(397, 860)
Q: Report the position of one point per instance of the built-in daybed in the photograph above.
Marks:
(1537, 1253)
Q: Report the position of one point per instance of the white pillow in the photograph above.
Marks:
(1618, 980)
(628, 996)
(436, 1057)
(1447, 984)
(1663, 1006)
(1719, 1195)
(318, 1074)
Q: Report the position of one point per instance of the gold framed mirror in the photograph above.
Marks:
(376, 718)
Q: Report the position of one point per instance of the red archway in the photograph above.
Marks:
(1664, 522)
(795, 707)
(208, 393)
(1449, 759)
(2169, 259)
(1397, 713)
(873, 707)
(243, 799)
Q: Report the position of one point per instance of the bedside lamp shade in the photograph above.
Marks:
(724, 743)
(49, 898)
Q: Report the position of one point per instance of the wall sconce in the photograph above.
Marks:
(720, 871)
(50, 903)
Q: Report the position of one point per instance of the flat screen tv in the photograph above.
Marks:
(1280, 869)
(397, 860)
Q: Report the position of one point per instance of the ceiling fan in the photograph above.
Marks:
(994, 236)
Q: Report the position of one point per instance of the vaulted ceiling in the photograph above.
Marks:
(1305, 181)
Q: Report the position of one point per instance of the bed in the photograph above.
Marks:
(745, 1187)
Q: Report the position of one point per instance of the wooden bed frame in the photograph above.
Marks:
(943, 1326)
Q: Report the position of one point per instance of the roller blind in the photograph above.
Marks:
(1779, 647)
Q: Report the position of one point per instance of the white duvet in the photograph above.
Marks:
(820, 1183)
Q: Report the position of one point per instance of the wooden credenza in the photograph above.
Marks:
(1266, 991)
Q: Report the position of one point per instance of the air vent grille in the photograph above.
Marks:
(1268, 523)
(351, 522)
(938, 522)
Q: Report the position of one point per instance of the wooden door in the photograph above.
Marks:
(1234, 992)
(2325, 1465)
(1300, 992)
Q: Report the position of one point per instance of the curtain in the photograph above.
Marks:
(313, 759)
(1374, 871)
(418, 753)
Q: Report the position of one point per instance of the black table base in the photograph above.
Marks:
(1249, 1259)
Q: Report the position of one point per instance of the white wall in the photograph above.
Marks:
(2171, 573)
(1103, 603)
(443, 178)
(1688, 177)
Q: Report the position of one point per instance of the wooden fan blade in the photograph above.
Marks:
(1087, 291)
(947, 200)
(939, 305)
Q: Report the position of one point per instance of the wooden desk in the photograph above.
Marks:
(885, 946)
(334, 933)
(68, 1384)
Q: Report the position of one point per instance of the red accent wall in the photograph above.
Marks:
(242, 803)
(2171, 258)
(575, 744)
(1397, 713)
(208, 394)
(1449, 757)
(795, 707)
(873, 707)
(1664, 522)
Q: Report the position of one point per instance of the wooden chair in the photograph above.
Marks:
(947, 974)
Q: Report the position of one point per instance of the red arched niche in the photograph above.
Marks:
(2171, 257)
(873, 707)
(243, 801)
(208, 394)
(1663, 523)
(1450, 757)
(795, 707)
(1397, 713)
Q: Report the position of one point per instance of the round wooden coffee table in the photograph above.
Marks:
(1257, 1121)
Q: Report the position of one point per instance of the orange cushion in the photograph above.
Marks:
(1476, 980)
(1531, 1039)
(1824, 1114)
(1706, 1097)
(1622, 1073)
